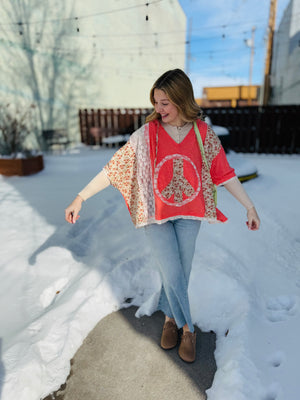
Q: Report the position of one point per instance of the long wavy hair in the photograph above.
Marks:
(179, 90)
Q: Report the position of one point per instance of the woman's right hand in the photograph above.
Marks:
(71, 212)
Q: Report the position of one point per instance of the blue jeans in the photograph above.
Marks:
(173, 246)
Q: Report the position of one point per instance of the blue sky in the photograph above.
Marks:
(219, 55)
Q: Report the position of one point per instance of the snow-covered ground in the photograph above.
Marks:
(57, 281)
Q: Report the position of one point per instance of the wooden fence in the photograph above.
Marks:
(98, 124)
(270, 129)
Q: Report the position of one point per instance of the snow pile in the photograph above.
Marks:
(59, 280)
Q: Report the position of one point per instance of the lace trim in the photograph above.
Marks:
(139, 141)
(162, 221)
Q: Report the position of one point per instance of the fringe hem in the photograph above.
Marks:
(162, 221)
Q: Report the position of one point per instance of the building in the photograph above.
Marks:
(285, 71)
(230, 96)
(67, 55)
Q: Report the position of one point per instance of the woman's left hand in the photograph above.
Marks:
(253, 222)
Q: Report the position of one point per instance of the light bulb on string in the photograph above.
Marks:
(147, 17)
(38, 39)
(94, 44)
(77, 28)
(223, 34)
(20, 24)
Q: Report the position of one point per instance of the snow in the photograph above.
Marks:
(59, 280)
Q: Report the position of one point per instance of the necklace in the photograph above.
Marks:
(181, 126)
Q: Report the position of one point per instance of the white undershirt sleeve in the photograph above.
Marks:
(98, 183)
(235, 188)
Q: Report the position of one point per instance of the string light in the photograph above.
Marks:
(77, 29)
(20, 24)
(83, 16)
(20, 28)
(126, 51)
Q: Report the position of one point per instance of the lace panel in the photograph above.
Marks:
(139, 141)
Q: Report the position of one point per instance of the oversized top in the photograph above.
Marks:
(162, 180)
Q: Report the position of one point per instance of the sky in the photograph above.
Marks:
(218, 54)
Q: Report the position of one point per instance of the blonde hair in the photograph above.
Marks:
(179, 90)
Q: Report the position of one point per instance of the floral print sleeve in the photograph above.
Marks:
(220, 169)
(122, 173)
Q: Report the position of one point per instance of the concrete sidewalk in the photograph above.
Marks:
(121, 359)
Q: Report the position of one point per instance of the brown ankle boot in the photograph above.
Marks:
(169, 337)
(187, 348)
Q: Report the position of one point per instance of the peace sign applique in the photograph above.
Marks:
(184, 181)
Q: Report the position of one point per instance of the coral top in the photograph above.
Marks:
(162, 180)
(178, 178)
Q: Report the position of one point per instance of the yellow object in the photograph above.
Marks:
(230, 93)
(247, 177)
(234, 94)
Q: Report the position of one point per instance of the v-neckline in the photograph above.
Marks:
(175, 140)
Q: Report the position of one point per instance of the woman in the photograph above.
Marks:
(167, 184)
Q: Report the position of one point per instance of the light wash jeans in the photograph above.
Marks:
(173, 246)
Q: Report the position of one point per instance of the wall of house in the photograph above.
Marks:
(63, 56)
(285, 74)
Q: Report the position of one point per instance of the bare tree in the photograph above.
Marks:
(42, 63)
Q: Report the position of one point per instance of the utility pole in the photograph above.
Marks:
(268, 62)
(251, 64)
(188, 52)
